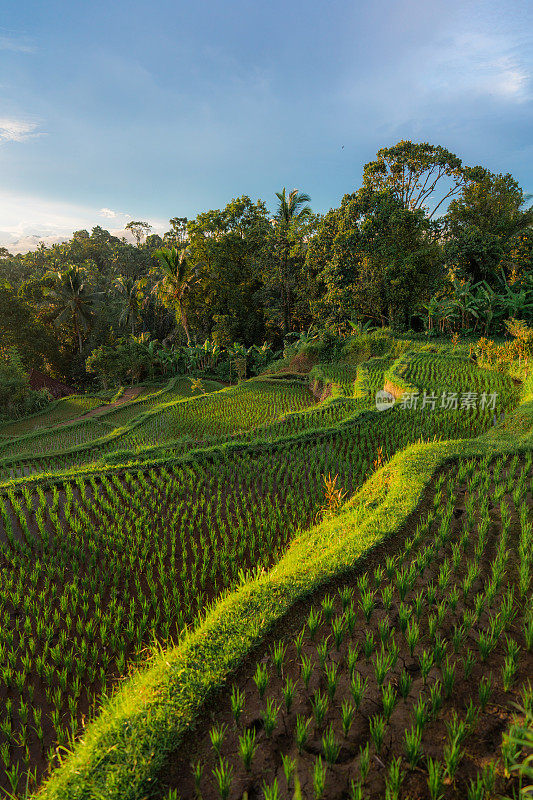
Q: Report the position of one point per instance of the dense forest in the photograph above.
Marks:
(426, 244)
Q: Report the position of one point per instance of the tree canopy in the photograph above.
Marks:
(425, 240)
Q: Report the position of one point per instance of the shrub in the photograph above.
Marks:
(17, 398)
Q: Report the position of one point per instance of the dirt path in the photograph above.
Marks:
(129, 394)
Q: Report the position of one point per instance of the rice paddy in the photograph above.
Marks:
(400, 681)
(211, 486)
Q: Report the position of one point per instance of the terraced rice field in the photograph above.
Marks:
(208, 412)
(63, 411)
(95, 567)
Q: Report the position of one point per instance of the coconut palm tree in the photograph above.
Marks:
(178, 278)
(72, 299)
(292, 210)
(130, 295)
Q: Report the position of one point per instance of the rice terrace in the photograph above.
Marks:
(266, 484)
(366, 635)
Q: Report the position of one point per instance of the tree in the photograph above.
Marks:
(228, 247)
(381, 260)
(291, 213)
(72, 299)
(4, 252)
(139, 230)
(483, 226)
(177, 280)
(177, 234)
(16, 396)
(126, 359)
(414, 171)
(153, 241)
(131, 301)
(19, 327)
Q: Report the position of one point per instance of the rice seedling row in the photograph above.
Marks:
(400, 682)
(258, 403)
(84, 431)
(92, 572)
(63, 410)
(435, 373)
(253, 403)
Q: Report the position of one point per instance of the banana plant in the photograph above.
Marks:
(464, 301)
(238, 356)
(153, 350)
(515, 302)
(262, 354)
(434, 312)
(486, 300)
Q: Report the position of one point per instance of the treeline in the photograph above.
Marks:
(426, 243)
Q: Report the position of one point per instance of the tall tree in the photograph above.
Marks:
(139, 230)
(72, 299)
(381, 261)
(130, 294)
(483, 225)
(178, 276)
(20, 328)
(177, 235)
(415, 172)
(290, 215)
(228, 246)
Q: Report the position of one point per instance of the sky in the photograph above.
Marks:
(112, 111)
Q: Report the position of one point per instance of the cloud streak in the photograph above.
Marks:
(16, 44)
(17, 130)
(108, 213)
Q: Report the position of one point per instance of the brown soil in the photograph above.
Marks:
(301, 363)
(481, 745)
(39, 380)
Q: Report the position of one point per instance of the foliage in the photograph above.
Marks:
(482, 225)
(17, 399)
(238, 274)
(177, 279)
(380, 256)
(412, 171)
(502, 355)
(126, 361)
(21, 328)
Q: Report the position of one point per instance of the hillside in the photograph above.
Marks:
(183, 536)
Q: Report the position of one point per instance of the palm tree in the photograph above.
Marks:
(292, 210)
(129, 289)
(178, 278)
(71, 298)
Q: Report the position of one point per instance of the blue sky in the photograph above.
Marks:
(117, 110)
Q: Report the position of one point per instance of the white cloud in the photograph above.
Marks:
(449, 74)
(510, 80)
(108, 213)
(16, 44)
(17, 130)
(479, 63)
(26, 221)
